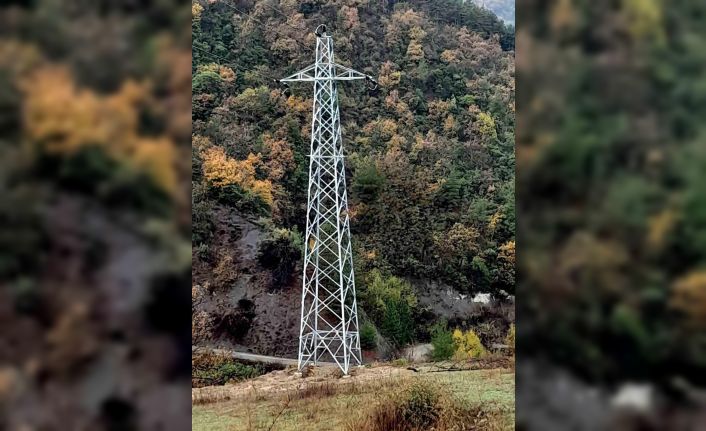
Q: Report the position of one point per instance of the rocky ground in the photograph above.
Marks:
(237, 307)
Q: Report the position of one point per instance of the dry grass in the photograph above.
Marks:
(482, 399)
(424, 405)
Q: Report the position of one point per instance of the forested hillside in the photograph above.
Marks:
(430, 154)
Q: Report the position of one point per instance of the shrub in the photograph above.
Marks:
(233, 195)
(206, 82)
(367, 182)
(443, 342)
(202, 252)
(400, 362)
(216, 369)
(510, 338)
(23, 239)
(234, 371)
(279, 252)
(368, 337)
(91, 171)
(420, 408)
(224, 272)
(490, 332)
(202, 225)
(468, 345)
(235, 324)
(397, 322)
(27, 298)
(423, 406)
(390, 302)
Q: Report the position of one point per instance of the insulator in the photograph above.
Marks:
(286, 92)
(320, 30)
(372, 84)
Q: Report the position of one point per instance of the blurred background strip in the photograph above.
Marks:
(611, 164)
(95, 254)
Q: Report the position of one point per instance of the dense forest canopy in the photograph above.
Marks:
(430, 154)
(612, 167)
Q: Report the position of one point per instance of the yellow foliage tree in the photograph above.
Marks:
(659, 228)
(19, 58)
(507, 253)
(349, 15)
(450, 124)
(415, 51)
(510, 338)
(468, 345)
(644, 18)
(298, 104)
(196, 10)
(450, 56)
(689, 297)
(226, 73)
(494, 221)
(389, 77)
(61, 118)
(459, 240)
(485, 125)
(221, 170)
(280, 157)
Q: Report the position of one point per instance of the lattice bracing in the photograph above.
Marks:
(329, 315)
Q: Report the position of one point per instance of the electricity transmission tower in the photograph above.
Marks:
(329, 314)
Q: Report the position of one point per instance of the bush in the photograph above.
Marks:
(234, 371)
(279, 252)
(368, 337)
(212, 369)
(92, 171)
(397, 323)
(367, 182)
(235, 324)
(468, 345)
(380, 289)
(423, 406)
(510, 339)
(235, 196)
(202, 225)
(206, 82)
(443, 342)
(420, 409)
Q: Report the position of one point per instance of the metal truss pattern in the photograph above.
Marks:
(329, 314)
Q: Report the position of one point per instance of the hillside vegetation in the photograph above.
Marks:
(430, 154)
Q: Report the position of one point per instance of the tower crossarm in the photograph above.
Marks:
(339, 73)
(306, 74)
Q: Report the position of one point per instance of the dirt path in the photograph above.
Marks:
(252, 357)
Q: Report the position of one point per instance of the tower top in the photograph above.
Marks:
(325, 58)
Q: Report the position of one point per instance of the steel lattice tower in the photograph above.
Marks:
(329, 314)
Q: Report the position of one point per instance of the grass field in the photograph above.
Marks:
(338, 407)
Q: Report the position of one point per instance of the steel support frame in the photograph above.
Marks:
(329, 312)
